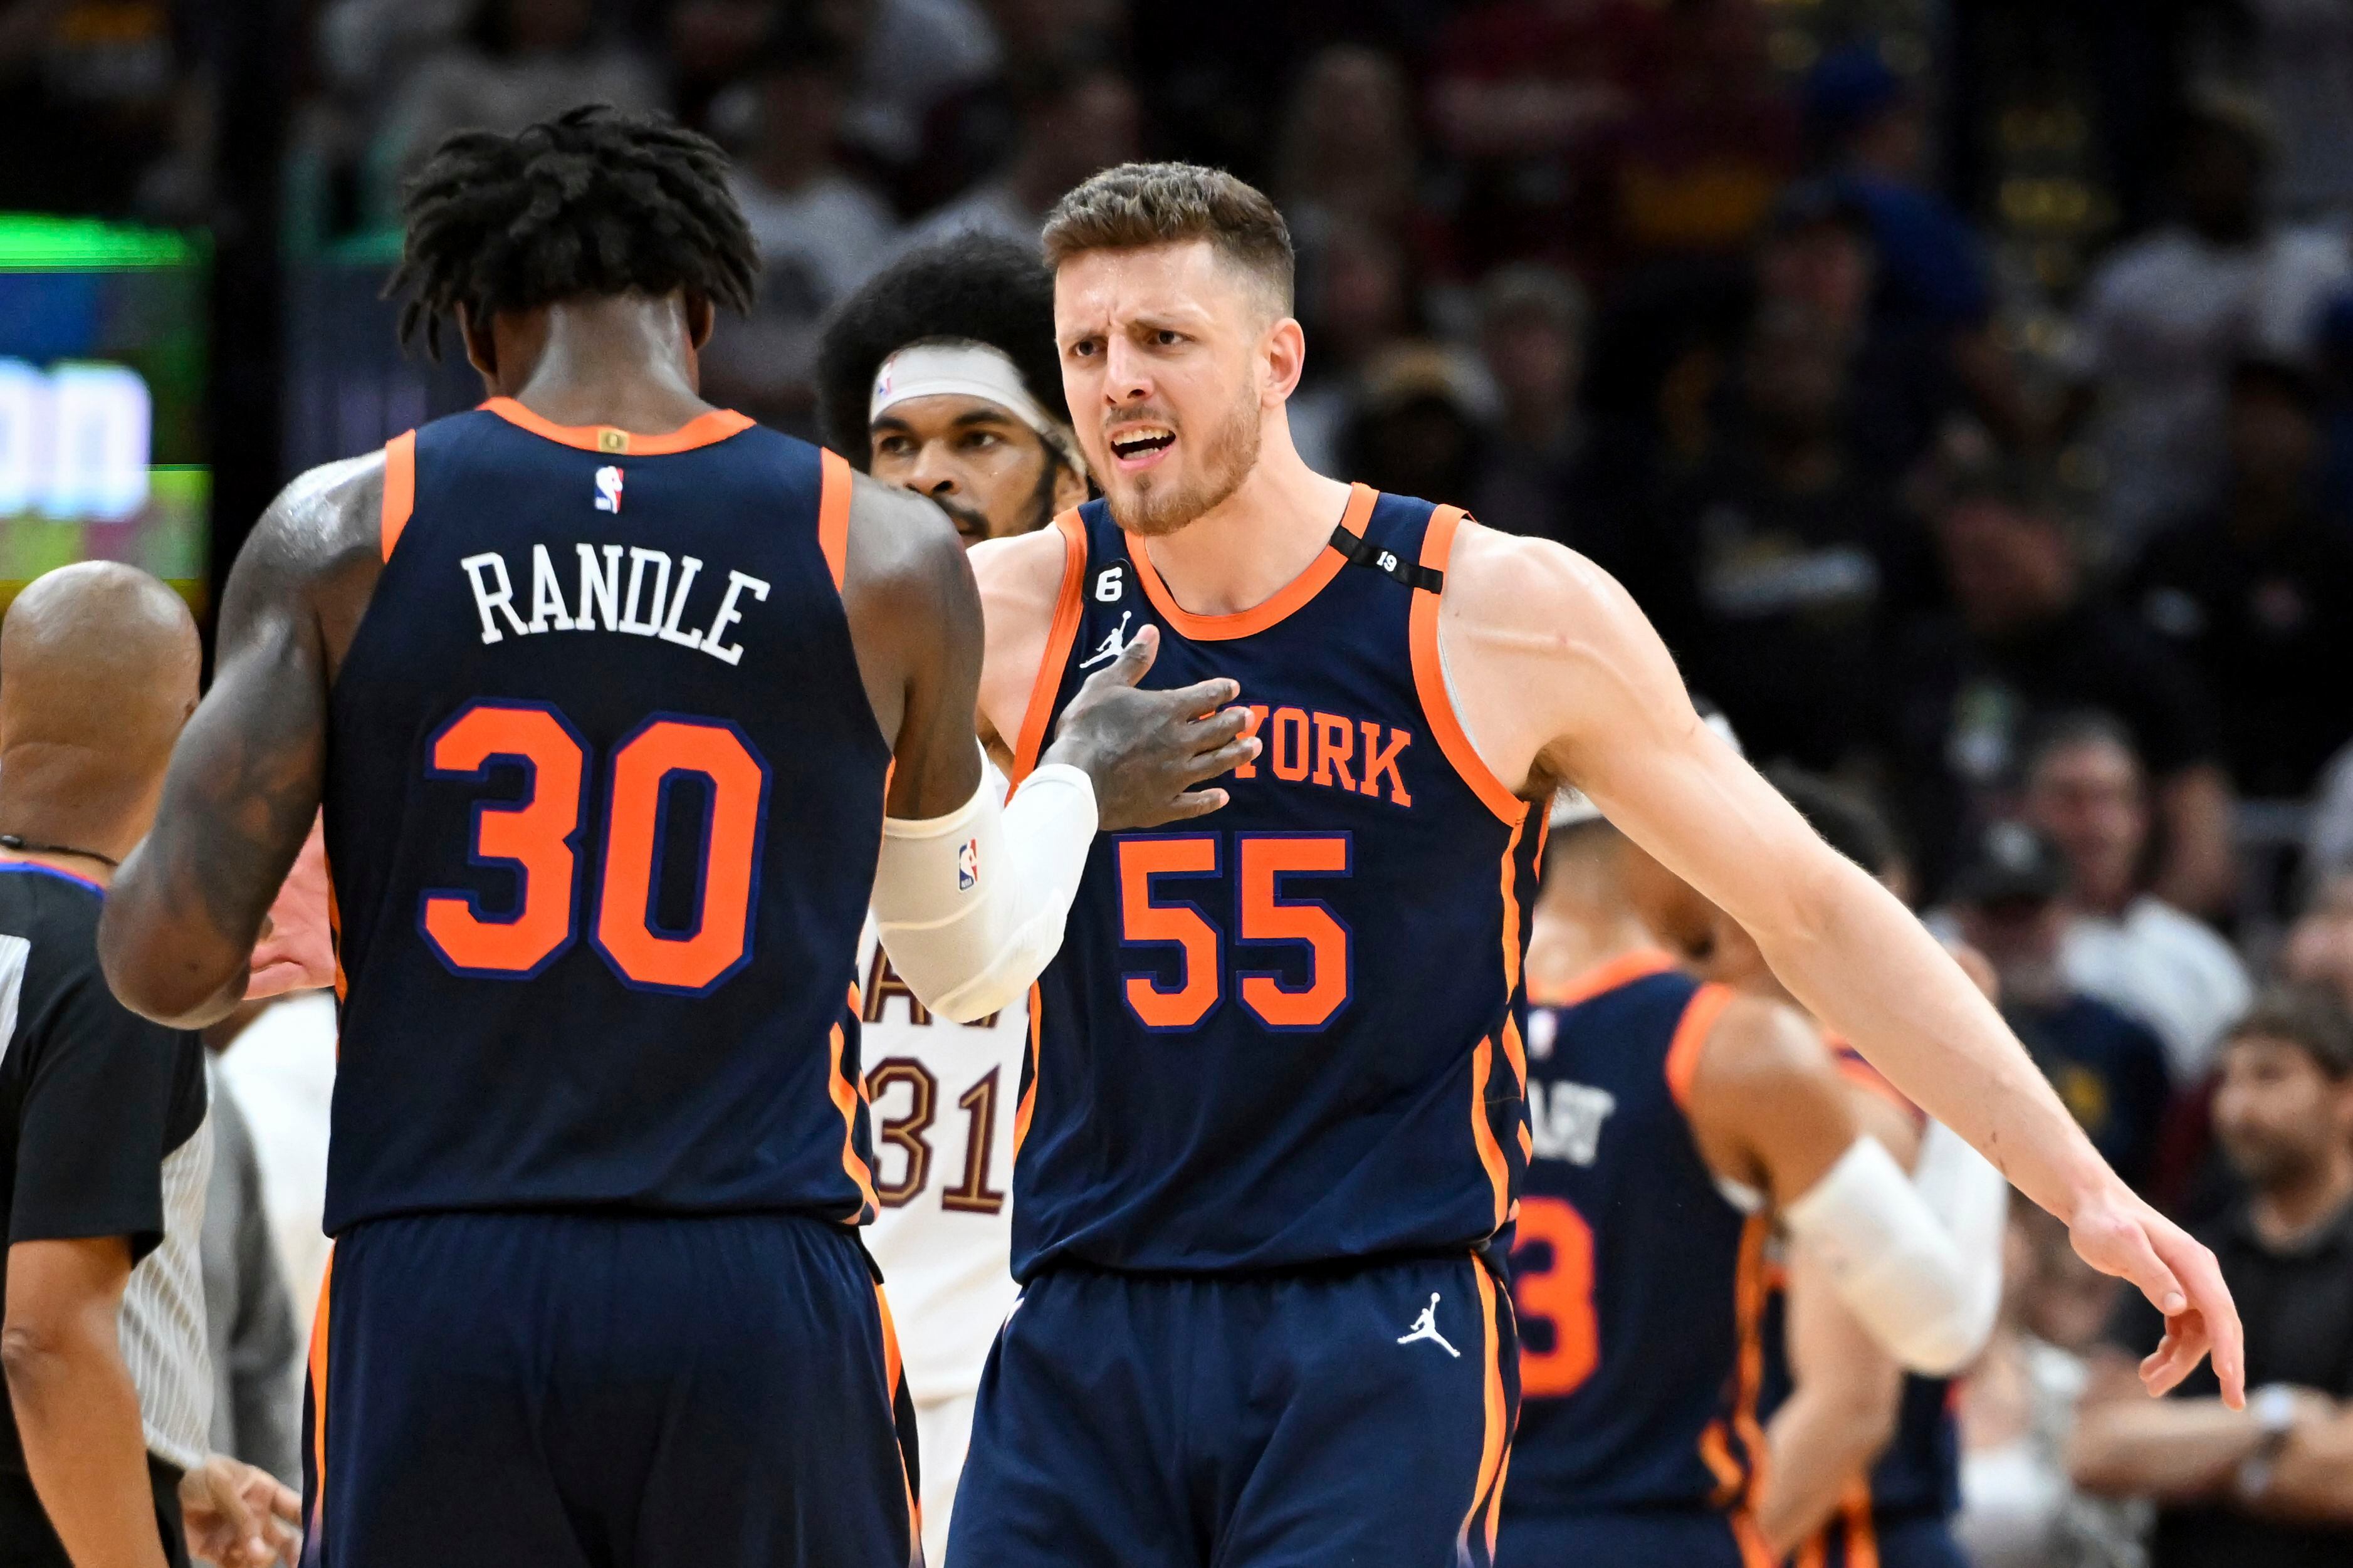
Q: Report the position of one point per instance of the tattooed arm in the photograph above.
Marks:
(184, 912)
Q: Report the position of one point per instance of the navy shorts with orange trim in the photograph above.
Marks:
(1276, 1421)
(1871, 1539)
(583, 1390)
(1651, 1538)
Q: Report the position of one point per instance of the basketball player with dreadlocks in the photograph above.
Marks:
(939, 375)
(616, 703)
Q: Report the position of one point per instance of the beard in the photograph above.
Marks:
(1154, 507)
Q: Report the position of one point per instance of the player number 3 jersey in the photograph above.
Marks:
(1289, 1032)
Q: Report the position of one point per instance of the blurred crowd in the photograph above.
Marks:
(1966, 390)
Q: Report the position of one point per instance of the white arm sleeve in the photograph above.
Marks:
(1896, 1268)
(1971, 1200)
(970, 906)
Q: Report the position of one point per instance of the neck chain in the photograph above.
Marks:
(17, 841)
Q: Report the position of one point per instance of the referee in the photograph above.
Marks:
(104, 1143)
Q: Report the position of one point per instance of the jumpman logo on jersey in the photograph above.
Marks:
(1426, 1328)
(1113, 645)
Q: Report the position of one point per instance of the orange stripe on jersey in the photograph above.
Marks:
(400, 488)
(1070, 605)
(1706, 1005)
(833, 488)
(335, 937)
(1609, 974)
(849, 1099)
(318, 1393)
(1491, 1153)
(1753, 1552)
(1286, 599)
(703, 430)
(1514, 1051)
(1029, 1095)
(1861, 1532)
(1494, 1447)
(1430, 679)
(1749, 1294)
(1731, 1475)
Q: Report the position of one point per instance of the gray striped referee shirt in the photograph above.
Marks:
(104, 1131)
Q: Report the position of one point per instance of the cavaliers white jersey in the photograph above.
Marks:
(942, 1096)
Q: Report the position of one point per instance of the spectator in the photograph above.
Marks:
(1418, 429)
(1695, 168)
(1357, 302)
(2258, 590)
(2017, 1410)
(256, 1351)
(2328, 845)
(1870, 126)
(2165, 318)
(1074, 119)
(1349, 148)
(2301, 55)
(523, 62)
(1532, 335)
(820, 232)
(2320, 945)
(2271, 1486)
(2108, 1068)
(1521, 94)
(1769, 566)
(104, 1138)
(2030, 638)
(2086, 789)
(911, 56)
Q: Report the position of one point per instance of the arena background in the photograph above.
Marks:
(1934, 373)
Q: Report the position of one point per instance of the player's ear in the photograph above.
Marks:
(481, 344)
(700, 318)
(1285, 350)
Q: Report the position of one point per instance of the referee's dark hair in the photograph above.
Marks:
(2308, 1017)
(981, 286)
(593, 202)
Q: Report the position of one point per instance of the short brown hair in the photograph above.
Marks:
(1138, 204)
(2310, 1017)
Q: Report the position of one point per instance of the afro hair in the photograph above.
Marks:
(981, 286)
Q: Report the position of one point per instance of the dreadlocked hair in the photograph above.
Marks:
(593, 202)
(983, 287)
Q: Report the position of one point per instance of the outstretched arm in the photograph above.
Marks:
(1561, 679)
(184, 911)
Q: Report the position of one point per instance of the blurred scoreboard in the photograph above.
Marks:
(102, 367)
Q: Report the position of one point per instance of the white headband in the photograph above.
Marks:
(969, 369)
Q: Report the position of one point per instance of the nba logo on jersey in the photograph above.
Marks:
(608, 489)
(967, 865)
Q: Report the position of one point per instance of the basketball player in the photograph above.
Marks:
(1271, 1129)
(939, 375)
(1890, 1503)
(1674, 1123)
(606, 694)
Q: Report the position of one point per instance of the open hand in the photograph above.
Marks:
(297, 950)
(239, 1517)
(2118, 1233)
(1145, 750)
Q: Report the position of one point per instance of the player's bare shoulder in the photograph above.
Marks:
(1021, 585)
(321, 546)
(1526, 626)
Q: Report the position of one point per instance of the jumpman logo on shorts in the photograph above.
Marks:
(1426, 1328)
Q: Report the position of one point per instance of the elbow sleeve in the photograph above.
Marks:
(971, 905)
(1892, 1263)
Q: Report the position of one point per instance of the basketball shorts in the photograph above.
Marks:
(586, 1391)
(1878, 1539)
(1298, 1421)
(1651, 1538)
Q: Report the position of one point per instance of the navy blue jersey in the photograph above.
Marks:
(603, 799)
(1287, 1034)
(1640, 1286)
